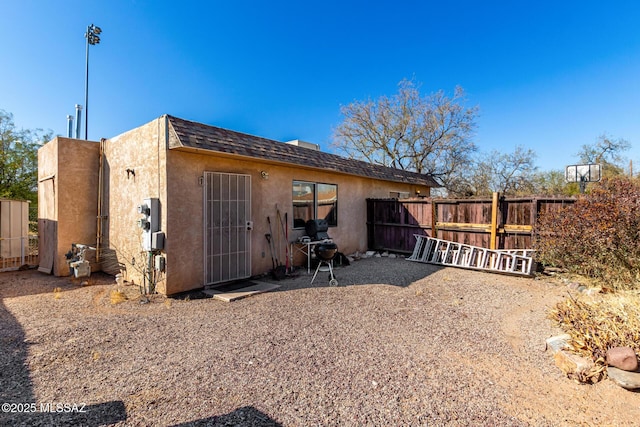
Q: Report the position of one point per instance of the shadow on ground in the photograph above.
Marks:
(389, 271)
(368, 271)
(245, 416)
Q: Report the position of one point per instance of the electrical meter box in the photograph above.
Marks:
(150, 221)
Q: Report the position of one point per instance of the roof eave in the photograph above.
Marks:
(176, 143)
(208, 152)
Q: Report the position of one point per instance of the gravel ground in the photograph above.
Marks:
(398, 343)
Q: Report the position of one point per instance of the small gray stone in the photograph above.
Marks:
(625, 379)
(558, 342)
(622, 358)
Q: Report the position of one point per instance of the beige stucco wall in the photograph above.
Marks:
(143, 152)
(185, 262)
(69, 168)
(138, 165)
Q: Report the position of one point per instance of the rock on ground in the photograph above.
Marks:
(622, 358)
(625, 379)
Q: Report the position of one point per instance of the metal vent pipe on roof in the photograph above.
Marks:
(78, 120)
(69, 126)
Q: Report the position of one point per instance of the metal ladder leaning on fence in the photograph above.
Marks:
(444, 252)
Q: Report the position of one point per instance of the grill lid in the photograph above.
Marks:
(317, 229)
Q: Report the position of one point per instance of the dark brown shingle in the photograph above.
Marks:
(200, 136)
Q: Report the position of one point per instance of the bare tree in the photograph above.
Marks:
(605, 149)
(608, 152)
(426, 134)
(507, 173)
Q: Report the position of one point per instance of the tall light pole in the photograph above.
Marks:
(92, 39)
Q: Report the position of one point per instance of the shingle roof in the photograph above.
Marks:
(210, 138)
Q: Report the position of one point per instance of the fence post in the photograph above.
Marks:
(494, 221)
(434, 219)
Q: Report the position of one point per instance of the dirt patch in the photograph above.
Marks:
(398, 343)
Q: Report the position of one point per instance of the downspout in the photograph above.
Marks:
(99, 234)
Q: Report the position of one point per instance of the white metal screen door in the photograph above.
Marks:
(227, 216)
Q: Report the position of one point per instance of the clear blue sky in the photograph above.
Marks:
(547, 75)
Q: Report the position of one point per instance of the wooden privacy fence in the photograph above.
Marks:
(496, 223)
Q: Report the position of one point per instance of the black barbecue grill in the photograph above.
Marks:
(325, 250)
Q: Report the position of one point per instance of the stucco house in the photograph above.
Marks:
(183, 205)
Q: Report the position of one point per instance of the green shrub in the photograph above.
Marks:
(598, 236)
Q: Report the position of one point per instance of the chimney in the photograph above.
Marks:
(69, 126)
(78, 120)
(304, 144)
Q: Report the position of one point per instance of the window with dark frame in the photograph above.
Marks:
(313, 200)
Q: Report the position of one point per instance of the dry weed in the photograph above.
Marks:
(117, 296)
(595, 326)
(57, 293)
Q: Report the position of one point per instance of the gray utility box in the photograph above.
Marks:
(150, 222)
(157, 241)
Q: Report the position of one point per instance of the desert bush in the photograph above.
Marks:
(598, 236)
(596, 325)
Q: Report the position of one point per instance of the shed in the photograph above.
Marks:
(182, 205)
(14, 233)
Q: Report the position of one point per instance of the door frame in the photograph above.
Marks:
(227, 245)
